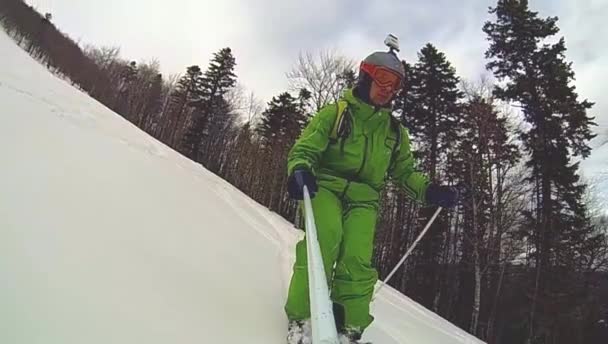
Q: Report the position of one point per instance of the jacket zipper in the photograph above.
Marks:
(364, 158)
(365, 147)
(356, 177)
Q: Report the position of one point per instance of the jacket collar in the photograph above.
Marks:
(362, 109)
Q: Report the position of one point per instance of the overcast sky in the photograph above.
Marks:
(267, 35)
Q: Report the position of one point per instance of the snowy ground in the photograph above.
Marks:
(108, 236)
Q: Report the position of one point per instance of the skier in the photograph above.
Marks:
(343, 157)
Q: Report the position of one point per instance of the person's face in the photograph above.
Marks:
(385, 83)
(381, 95)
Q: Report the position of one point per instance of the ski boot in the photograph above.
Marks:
(350, 336)
(299, 332)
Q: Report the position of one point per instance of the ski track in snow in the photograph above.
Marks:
(109, 236)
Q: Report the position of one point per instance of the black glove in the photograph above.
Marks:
(296, 182)
(441, 195)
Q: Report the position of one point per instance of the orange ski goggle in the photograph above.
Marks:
(383, 76)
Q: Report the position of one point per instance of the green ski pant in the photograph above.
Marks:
(346, 235)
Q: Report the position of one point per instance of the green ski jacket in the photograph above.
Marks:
(357, 166)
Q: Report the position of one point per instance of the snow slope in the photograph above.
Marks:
(108, 236)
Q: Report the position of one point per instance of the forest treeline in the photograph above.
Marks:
(522, 259)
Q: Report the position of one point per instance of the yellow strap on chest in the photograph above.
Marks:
(341, 106)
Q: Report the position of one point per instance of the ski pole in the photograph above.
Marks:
(426, 228)
(322, 317)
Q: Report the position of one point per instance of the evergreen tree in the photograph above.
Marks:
(127, 77)
(347, 79)
(278, 129)
(538, 79)
(210, 103)
(153, 102)
(304, 97)
(184, 93)
(282, 122)
(404, 101)
(244, 159)
(428, 106)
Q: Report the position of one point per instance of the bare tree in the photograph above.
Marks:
(597, 256)
(104, 56)
(244, 103)
(323, 75)
(253, 107)
(490, 157)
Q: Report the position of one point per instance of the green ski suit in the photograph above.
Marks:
(350, 173)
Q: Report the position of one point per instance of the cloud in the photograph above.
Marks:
(267, 35)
